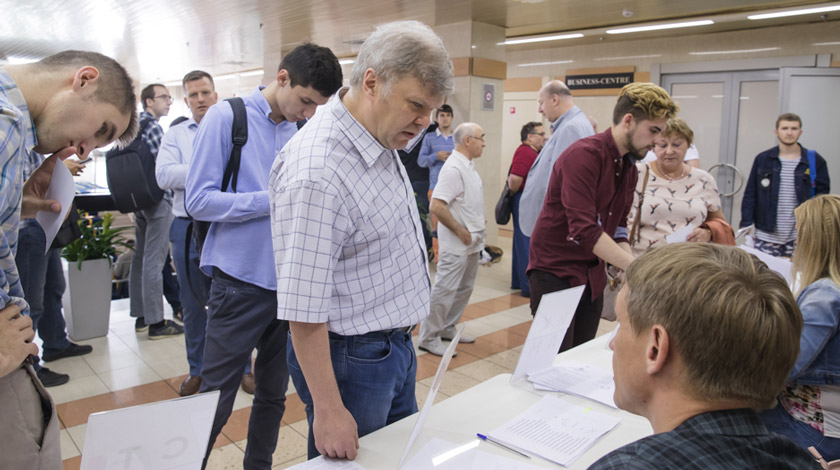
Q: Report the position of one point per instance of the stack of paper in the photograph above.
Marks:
(555, 430)
(577, 378)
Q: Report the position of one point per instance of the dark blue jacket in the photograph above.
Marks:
(760, 202)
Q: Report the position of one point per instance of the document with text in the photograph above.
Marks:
(555, 430)
(578, 378)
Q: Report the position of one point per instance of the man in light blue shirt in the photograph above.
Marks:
(568, 124)
(435, 149)
(171, 171)
(242, 307)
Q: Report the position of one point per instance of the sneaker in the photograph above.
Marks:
(140, 325)
(248, 383)
(437, 348)
(51, 379)
(465, 338)
(70, 351)
(165, 329)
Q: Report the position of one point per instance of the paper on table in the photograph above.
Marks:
(488, 461)
(578, 378)
(780, 265)
(326, 463)
(165, 435)
(547, 331)
(63, 190)
(445, 455)
(679, 235)
(430, 399)
(555, 430)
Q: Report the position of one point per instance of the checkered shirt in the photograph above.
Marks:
(152, 134)
(17, 139)
(348, 246)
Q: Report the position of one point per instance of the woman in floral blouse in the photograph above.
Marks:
(672, 195)
(808, 411)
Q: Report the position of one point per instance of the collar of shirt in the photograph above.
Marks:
(440, 134)
(460, 159)
(145, 115)
(362, 140)
(258, 99)
(15, 97)
(573, 111)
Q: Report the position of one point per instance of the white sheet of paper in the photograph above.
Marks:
(488, 461)
(555, 430)
(62, 189)
(780, 265)
(430, 399)
(326, 463)
(679, 235)
(578, 378)
(165, 435)
(548, 328)
(445, 455)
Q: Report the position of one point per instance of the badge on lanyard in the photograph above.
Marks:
(765, 182)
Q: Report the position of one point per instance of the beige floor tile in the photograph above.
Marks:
(77, 434)
(301, 427)
(172, 367)
(76, 367)
(112, 360)
(505, 359)
(68, 447)
(78, 388)
(453, 383)
(421, 392)
(290, 463)
(290, 445)
(129, 377)
(242, 400)
(227, 457)
(482, 370)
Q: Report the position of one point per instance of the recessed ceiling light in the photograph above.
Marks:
(656, 27)
(646, 56)
(741, 51)
(555, 37)
(534, 64)
(835, 43)
(781, 14)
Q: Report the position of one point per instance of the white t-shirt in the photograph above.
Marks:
(459, 186)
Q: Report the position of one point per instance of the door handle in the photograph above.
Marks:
(739, 177)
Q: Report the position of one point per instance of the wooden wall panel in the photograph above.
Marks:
(488, 68)
(523, 84)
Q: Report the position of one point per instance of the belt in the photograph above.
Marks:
(388, 332)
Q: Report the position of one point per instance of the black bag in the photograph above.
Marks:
(504, 207)
(69, 230)
(131, 175)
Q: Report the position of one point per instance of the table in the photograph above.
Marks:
(492, 403)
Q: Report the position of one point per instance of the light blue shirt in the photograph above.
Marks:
(567, 129)
(432, 144)
(173, 161)
(239, 240)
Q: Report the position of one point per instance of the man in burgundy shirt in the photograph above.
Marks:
(532, 137)
(583, 218)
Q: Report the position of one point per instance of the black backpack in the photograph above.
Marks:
(131, 175)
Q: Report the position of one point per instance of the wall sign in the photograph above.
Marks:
(489, 97)
(599, 81)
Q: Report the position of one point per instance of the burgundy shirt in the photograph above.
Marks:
(523, 159)
(590, 192)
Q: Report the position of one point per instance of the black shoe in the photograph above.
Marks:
(140, 325)
(51, 379)
(70, 351)
(165, 329)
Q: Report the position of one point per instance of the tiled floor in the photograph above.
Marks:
(127, 369)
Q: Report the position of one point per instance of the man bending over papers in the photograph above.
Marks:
(698, 366)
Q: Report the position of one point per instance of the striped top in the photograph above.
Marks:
(17, 139)
(785, 222)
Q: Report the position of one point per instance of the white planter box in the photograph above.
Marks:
(87, 299)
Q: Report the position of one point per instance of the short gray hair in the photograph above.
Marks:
(556, 87)
(463, 131)
(405, 48)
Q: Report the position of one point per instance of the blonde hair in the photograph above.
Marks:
(677, 126)
(733, 321)
(645, 101)
(817, 253)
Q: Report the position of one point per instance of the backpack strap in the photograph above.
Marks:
(301, 123)
(239, 136)
(178, 120)
(812, 168)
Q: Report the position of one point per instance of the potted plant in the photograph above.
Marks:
(87, 299)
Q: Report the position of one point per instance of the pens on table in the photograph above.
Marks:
(493, 441)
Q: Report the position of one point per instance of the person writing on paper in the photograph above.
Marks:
(804, 409)
(698, 366)
(671, 195)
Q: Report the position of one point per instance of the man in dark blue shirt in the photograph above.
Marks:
(698, 366)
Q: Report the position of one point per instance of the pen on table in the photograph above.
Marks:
(493, 441)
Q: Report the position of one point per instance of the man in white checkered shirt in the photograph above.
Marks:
(350, 258)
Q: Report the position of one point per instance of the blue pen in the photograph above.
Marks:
(493, 441)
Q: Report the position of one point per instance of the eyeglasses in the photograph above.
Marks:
(164, 97)
(541, 134)
(478, 138)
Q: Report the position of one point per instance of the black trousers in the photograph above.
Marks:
(584, 324)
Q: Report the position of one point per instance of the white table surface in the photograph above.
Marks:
(492, 403)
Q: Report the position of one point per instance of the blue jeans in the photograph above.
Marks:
(42, 279)
(375, 373)
(779, 421)
(521, 245)
(195, 316)
(240, 317)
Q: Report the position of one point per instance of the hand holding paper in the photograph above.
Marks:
(60, 191)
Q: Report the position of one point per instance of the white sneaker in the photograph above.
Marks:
(465, 338)
(437, 348)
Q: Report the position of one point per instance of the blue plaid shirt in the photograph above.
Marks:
(152, 134)
(17, 139)
(727, 439)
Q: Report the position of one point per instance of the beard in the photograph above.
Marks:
(636, 153)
